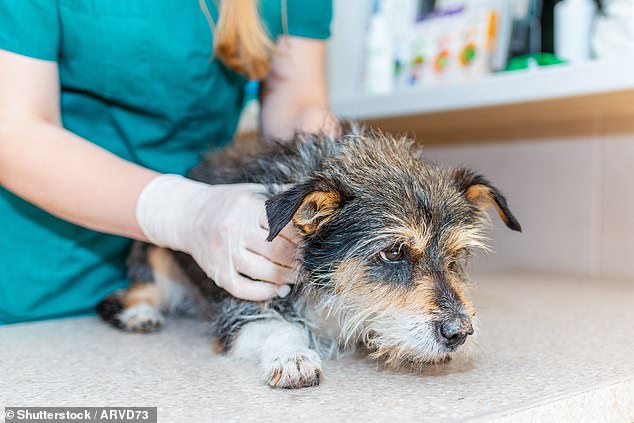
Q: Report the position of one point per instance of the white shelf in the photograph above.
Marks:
(542, 84)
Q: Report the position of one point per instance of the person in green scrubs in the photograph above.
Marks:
(103, 103)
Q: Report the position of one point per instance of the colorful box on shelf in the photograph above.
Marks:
(447, 47)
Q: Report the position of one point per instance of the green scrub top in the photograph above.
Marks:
(137, 79)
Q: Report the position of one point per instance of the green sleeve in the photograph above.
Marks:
(30, 28)
(309, 18)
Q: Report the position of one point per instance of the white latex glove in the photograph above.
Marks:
(224, 228)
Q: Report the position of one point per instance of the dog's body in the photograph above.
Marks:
(385, 239)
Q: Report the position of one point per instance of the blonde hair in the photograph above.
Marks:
(240, 39)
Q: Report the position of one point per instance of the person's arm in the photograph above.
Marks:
(54, 169)
(295, 95)
(222, 226)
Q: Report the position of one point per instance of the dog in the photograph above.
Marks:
(385, 234)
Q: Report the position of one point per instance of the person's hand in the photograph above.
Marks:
(224, 228)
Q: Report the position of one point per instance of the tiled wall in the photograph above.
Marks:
(573, 196)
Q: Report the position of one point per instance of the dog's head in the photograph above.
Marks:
(386, 238)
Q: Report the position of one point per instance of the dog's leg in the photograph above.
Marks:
(282, 351)
(133, 309)
(157, 285)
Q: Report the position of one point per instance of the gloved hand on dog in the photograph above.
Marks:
(224, 228)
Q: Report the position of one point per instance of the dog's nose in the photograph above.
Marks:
(455, 331)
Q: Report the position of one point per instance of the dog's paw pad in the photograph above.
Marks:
(294, 370)
(140, 318)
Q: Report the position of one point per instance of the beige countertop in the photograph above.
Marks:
(551, 349)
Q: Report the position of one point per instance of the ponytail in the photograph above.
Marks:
(240, 39)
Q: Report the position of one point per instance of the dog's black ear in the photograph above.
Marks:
(308, 205)
(477, 189)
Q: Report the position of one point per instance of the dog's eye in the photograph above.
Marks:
(393, 254)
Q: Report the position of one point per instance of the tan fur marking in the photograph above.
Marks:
(416, 238)
(501, 213)
(162, 262)
(141, 293)
(275, 377)
(458, 289)
(316, 209)
(470, 238)
(481, 195)
(217, 346)
(351, 282)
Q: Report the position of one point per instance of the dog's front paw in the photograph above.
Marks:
(294, 370)
(140, 318)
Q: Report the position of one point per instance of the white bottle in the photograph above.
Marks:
(379, 65)
(573, 28)
(614, 30)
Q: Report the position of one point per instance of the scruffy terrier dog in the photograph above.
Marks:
(386, 235)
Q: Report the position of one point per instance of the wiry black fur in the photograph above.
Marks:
(230, 314)
(139, 270)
